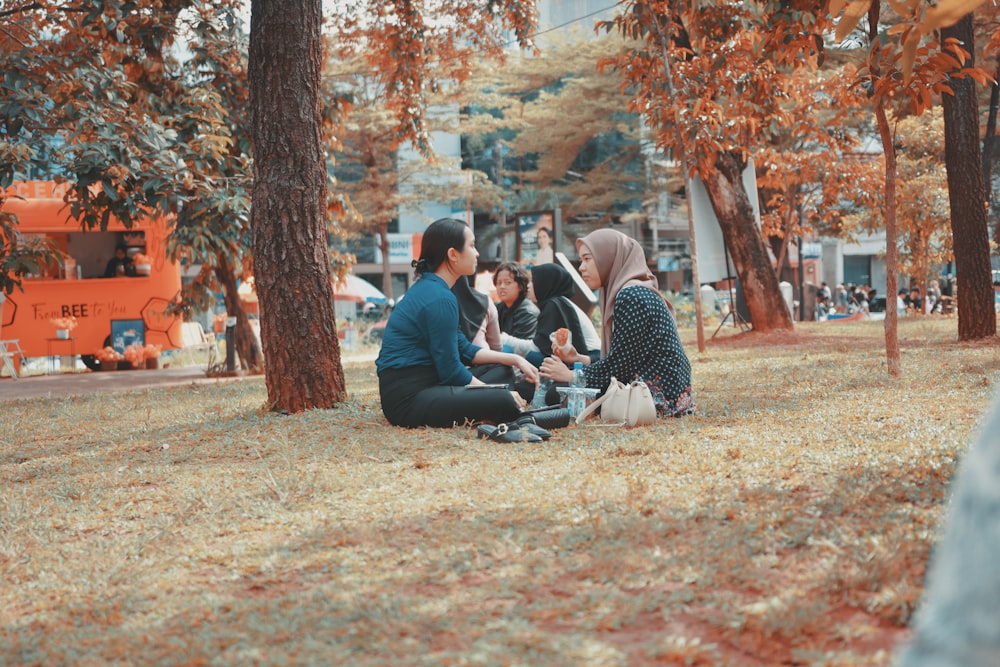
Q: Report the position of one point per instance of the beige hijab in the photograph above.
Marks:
(620, 262)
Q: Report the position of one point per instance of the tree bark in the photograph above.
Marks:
(967, 195)
(988, 138)
(384, 246)
(287, 215)
(251, 358)
(894, 363)
(732, 207)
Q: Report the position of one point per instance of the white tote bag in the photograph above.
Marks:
(627, 404)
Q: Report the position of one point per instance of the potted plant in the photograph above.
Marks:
(135, 355)
(108, 358)
(152, 356)
(63, 326)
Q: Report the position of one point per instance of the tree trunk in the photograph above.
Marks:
(247, 348)
(768, 311)
(891, 323)
(988, 137)
(385, 246)
(291, 269)
(967, 195)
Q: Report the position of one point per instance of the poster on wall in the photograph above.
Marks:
(538, 236)
(127, 332)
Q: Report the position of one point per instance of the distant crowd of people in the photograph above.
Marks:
(450, 355)
(850, 299)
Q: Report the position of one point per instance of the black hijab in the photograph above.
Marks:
(554, 288)
(551, 280)
(472, 306)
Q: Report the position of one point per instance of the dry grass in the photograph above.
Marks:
(787, 523)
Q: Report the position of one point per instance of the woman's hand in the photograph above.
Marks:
(526, 367)
(554, 369)
(521, 403)
(567, 354)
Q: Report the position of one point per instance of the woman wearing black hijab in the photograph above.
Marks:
(552, 288)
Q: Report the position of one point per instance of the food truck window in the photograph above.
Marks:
(50, 271)
(92, 250)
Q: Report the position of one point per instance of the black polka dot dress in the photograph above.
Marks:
(645, 346)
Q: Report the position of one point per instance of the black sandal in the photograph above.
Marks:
(533, 428)
(504, 433)
(548, 419)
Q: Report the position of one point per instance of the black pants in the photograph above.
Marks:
(494, 374)
(412, 397)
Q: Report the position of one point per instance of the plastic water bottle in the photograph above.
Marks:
(538, 400)
(577, 401)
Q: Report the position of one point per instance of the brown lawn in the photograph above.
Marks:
(788, 522)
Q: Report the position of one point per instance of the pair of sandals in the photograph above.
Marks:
(526, 428)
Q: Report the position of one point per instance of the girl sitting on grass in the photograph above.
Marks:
(639, 340)
(422, 374)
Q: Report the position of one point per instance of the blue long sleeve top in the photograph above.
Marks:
(423, 331)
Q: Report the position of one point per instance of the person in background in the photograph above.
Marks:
(902, 302)
(934, 297)
(842, 297)
(517, 314)
(873, 302)
(822, 309)
(551, 288)
(119, 265)
(916, 301)
(477, 315)
(639, 339)
(422, 374)
(479, 322)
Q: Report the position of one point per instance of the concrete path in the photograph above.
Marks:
(88, 382)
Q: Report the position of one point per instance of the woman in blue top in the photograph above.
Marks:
(422, 374)
(639, 339)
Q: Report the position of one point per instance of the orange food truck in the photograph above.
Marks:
(116, 311)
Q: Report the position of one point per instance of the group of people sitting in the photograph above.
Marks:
(451, 356)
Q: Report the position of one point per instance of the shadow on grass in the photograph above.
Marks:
(749, 575)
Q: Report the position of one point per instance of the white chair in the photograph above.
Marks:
(193, 337)
(9, 349)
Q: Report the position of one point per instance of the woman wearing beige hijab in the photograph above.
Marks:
(639, 339)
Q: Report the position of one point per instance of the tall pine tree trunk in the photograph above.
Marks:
(768, 310)
(967, 194)
(292, 273)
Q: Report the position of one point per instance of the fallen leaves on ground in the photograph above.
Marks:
(787, 522)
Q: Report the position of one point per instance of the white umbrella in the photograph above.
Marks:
(353, 288)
